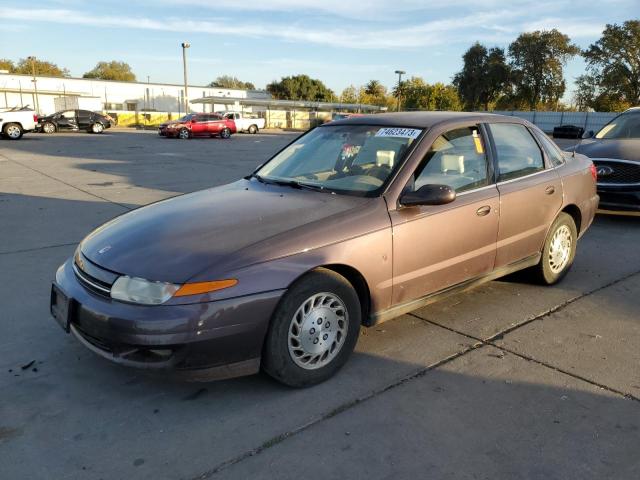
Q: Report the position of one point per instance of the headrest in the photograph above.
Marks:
(453, 163)
(385, 157)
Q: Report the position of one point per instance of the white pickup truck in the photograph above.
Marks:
(14, 122)
(244, 124)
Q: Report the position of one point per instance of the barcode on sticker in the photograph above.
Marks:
(398, 132)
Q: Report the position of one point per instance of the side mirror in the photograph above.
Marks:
(588, 134)
(429, 194)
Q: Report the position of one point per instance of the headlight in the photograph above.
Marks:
(139, 290)
(145, 292)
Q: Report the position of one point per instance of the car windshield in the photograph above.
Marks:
(626, 125)
(186, 118)
(351, 159)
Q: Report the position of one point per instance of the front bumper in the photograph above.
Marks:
(212, 340)
(622, 199)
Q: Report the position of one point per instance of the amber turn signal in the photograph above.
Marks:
(204, 287)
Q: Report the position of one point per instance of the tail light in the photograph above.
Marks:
(35, 118)
(594, 172)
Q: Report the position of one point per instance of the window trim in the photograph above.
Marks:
(545, 163)
(491, 177)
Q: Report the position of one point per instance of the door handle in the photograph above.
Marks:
(482, 211)
(550, 190)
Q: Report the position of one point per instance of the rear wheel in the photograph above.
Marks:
(558, 252)
(183, 134)
(225, 133)
(97, 128)
(313, 331)
(253, 129)
(49, 127)
(13, 131)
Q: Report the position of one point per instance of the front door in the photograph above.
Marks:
(199, 125)
(67, 120)
(530, 193)
(438, 246)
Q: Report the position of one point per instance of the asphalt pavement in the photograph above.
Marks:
(510, 380)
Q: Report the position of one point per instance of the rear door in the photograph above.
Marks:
(437, 246)
(215, 125)
(85, 119)
(530, 192)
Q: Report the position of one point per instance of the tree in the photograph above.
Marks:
(6, 64)
(26, 66)
(483, 77)
(419, 95)
(227, 81)
(300, 87)
(349, 95)
(613, 62)
(375, 89)
(537, 61)
(589, 95)
(112, 70)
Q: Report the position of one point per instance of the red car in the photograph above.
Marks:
(198, 125)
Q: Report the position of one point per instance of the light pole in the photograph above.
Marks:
(185, 45)
(35, 82)
(399, 73)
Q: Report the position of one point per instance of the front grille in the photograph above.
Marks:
(617, 172)
(95, 279)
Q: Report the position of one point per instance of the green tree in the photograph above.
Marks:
(419, 95)
(227, 81)
(375, 89)
(613, 63)
(483, 77)
(26, 66)
(349, 95)
(112, 70)
(300, 87)
(537, 61)
(6, 64)
(589, 95)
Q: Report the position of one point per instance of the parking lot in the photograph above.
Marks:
(510, 380)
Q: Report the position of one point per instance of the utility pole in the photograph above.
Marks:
(399, 73)
(35, 83)
(185, 45)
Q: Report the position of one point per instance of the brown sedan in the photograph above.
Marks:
(354, 223)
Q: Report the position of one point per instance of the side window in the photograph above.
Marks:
(552, 150)
(457, 158)
(517, 151)
(69, 114)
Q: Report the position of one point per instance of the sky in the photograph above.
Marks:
(341, 42)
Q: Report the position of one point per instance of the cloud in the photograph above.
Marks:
(574, 28)
(435, 32)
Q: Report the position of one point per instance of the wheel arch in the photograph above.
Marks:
(358, 282)
(575, 213)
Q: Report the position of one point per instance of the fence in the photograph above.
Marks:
(547, 120)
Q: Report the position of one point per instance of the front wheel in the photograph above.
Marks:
(558, 252)
(13, 131)
(225, 133)
(313, 331)
(183, 134)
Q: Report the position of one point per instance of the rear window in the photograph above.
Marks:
(517, 151)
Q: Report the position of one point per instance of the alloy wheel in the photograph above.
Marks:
(560, 249)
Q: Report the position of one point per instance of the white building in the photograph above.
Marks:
(56, 93)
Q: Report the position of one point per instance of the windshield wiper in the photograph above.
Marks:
(290, 183)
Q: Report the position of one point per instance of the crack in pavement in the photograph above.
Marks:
(479, 343)
(35, 249)
(65, 183)
(490, 341)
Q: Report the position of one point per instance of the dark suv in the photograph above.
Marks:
(75, 120)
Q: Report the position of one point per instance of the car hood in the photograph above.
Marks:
(626, 149)
(174, 239)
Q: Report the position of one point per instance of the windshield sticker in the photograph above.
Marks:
(398, 132)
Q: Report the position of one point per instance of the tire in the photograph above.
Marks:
(97, 128)
(558, 252)
(13, 131)
(253, 129)
(184, 134)
(225, 133)
(299, 353)
(48, 127)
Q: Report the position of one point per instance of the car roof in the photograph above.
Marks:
(423, 119)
